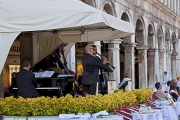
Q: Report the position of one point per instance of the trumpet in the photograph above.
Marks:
(107, 62)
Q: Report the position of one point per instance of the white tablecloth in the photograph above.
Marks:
(171, 111)
(178, 100)
(176, 109)
(150, 116)
(163, 113)
(109, 118)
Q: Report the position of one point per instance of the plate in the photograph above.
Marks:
(156, 108)
(147, 113)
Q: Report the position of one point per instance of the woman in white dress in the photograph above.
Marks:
(173, 92)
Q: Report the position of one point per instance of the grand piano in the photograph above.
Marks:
(52, 75)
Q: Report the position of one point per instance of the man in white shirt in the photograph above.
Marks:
(167, 77)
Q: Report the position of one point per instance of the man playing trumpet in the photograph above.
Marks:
(91, 66)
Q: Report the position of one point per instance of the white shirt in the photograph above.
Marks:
(167, 78)
(178, 83)
(167, 89)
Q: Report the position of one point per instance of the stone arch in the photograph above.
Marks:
(125, 17)
(108, 8)
(174, 41)
(160, 38)
(140, 31)
(89, 2)
(126, 11)
(151, 36)
(167, 41)
(174, 36)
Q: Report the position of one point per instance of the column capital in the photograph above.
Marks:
(129, 44)
(115, 41)
(161, 52)
(141, 47)
(169, 52)
(174, 54)
(129, 47)
(152, 52)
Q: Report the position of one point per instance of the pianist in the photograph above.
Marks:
(26, 82)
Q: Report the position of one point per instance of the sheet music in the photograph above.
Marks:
(47, 74)
(65, 75)
(38, 74)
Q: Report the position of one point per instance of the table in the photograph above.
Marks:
(163, 113)
(171, 112)
(176, 109)
(178, 100)
(110, 118)
(149, 116)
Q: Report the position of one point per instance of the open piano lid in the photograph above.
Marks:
(41, 64)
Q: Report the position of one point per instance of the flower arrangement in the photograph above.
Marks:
(142, 94)
(46, 106)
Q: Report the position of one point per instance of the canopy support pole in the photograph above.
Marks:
(1, 85)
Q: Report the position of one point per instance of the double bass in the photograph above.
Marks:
(71, 85)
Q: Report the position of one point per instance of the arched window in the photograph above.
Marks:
(125, 17)
(87, 2)
(108, 9)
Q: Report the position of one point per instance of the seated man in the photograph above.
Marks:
(26, 82)
(160, 93)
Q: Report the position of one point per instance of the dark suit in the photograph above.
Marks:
(26, 84)
(91, 66)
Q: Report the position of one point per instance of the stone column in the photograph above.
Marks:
(168, 3)
(175, 3)
(161, 64)
(142, 63)
(168, 63)
(173, 65)
(114, 59)
(151, 67)
(165, 2)
(172, 5)
(177, 7)
(129, 60)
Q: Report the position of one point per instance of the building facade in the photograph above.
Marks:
(145, 55)
(153, 48)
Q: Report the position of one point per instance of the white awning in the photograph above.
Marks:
(70, 16)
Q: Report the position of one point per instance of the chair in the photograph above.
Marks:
(137, 105)
(152, 103)
(132, 109)
(154, 96)
(125, 112)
